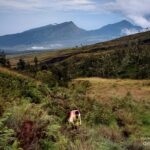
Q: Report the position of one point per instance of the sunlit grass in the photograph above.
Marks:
(104, 89)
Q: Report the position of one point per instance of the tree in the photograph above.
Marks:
(21, 65)
(8, 64)
(2, 58)
(35, 61)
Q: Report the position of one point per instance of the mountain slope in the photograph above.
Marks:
(64, 35)
(117, 29)
(45, 34)
(126, 57)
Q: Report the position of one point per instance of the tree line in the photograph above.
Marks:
(21, 64)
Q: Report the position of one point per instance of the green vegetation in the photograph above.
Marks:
(123, 58)
(126, 57)
(32, 116)
(3, 61)
(37, 94)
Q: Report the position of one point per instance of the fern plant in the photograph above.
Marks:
(7, 138)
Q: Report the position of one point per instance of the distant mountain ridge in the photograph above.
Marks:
(66, 34)
(117, 29)
(49, 33)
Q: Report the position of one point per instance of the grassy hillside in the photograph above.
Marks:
(35, 97)
(126, 57)
(32, 113)
(43, 56)
(103, 89)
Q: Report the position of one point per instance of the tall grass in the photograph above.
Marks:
(32, 116)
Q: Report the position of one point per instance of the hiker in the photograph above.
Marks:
(74, 119)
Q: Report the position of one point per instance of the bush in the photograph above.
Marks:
(46, 77)
(30, 121)
(99, 114)
(7, 136)
(34, 94)
(127, 103)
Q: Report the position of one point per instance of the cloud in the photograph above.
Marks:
(129, 31)
(53, 46)
(18, 5)
(137, 11)
(66, 5)
(134, 10)
(37, 47)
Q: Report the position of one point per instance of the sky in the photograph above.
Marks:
(20, 15)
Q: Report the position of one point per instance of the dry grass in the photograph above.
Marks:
(42, 56)
(30, 57)
(19, 75)
(104, 89)
(10, 72)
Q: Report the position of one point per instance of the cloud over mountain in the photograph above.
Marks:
(89, 14)
(136, 10)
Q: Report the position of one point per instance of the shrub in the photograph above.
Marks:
(99, 114)
(46, 77)
(111, 133)
(34, 94)
(126, 102)
(33, 126)
(79, 86)
(7, 136)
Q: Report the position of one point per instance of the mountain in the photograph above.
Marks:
(50, 34)
(66, 34)
(117, 29)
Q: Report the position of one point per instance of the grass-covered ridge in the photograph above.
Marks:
(32, 114)
(37, 93)
(126, 57)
